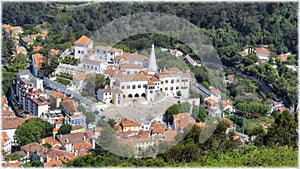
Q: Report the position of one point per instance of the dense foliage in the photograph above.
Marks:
(32, 130)
(65, 129)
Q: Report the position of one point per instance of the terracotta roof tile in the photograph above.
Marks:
(51, 164)
(283, 58)
(53, 52)
(57, 95)
(130, 66)
(156, 128)
(38, 60)
(129, 123)
(51, 141)
(37, 48)
(262, 51)
(4, 137)
(83, 40)
(11, 123)
(182, 120)
(14, 164)
(35, 147)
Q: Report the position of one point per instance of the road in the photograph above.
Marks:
(267, 89)
(201, 90)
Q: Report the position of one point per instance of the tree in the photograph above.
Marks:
(32, 130)
(65, 129)
(199, 114)
(283, 131)
(90, 117)
(112, 122)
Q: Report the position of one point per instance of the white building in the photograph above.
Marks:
(173, 81)
(29, 93)
(94, 65)
(106, 54)
(131, 68)
(81, 47)
(105, 95)
(5, 143)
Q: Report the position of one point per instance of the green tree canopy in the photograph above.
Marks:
(65, 129)
(32, 130)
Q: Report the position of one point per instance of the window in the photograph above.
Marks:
(135, 72)
(166, 81)
(166, 88)
(177, 87)
(95, 68)
(172, 81)
(171, 88)
(128, 86)
(177, 80)
(144, 86)
(139, 86)
(98, 50)
(151, 91)
(82, 52)
(111, 53)
(122, 87)
(128, 72)
(79, 52)
(133, 86)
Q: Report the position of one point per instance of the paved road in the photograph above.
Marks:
(201, 90)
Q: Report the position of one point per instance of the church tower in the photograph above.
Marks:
(152, 67)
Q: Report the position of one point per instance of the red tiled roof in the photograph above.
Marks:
(54, 163)
(182, 120)
(4, 137)
(57, 95)
(262, 51)
(283, 58)
(38, 60)
(35, 147)
(64, 156)
(15, 164)
(37, 48)
(156, 128)
(11, 123)
(53, 52)
(129, 123)
(226, 103)
(83, 40)
(51, 141)
(200, 124)
(83, 145)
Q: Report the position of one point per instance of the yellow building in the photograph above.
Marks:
(77, 129)
(128, 125)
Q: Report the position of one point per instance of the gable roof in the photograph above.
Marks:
(130, 66)
(68, 106)
(57, 95)
(11, 123)
(64, 156)
(156, 128)
(26, 39)
(128, 123)
(73, 137)
(35, 147)
(51, 141)
(38, 60)
(37, 48)
(83, 40)
(182, 120)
